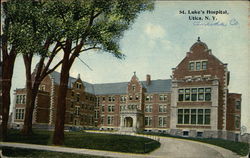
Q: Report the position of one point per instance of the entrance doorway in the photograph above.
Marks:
(128, 122)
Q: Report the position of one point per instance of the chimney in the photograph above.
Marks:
(148, 79)
(78, 76)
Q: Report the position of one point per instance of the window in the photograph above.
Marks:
(186, 116)
(110, 120)
(204, 65)
(97, 102)
(198, 66)
(130, 97)
(103, 98)
(122, 107)
(162, 97)
(181, 95)
(103, 108)
(194, 94)
(111, 108)
(200, 116)
(133, 87)
(194, 116)
(17, 99)
(78, 85)
(42, 87)
(72, 104)
(123, 98)
(136, 97)
(191, 66)
(185, 133)
(238, 105)
(19, 114)
(180, 116)
(77, 97)
(199, 134)
(237, 122)
(72, 93)
(110, 99)
(102, 120)
(148, 121)
(96, 114)
(148, 108)
(162, 108)
(71, 118)
(207, 116)
(77, 110)
(20, 99)
(201, 94)
(187, 94)
(207, 94)
(162, 121)
(149, 98)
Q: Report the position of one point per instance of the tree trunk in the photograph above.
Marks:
(31, 98)
(27, 128)
(58, 138)
(7, 73)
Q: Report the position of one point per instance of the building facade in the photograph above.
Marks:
(195, 102)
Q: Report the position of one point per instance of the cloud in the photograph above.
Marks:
(154, 31)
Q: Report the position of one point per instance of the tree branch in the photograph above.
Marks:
(54, 52)
(90, 48)
(53, 69)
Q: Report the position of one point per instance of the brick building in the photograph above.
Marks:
(195, 102)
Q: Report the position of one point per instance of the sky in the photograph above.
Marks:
(159, 40)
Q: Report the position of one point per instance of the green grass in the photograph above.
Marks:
(110, 142)
(240, 148)
(17, 152)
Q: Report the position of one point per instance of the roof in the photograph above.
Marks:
(156, 86)
(88, 87)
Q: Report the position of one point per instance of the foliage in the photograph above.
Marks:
(110, 142)
(23, 27)
(238, 147)
(18, 152)
(96, 24)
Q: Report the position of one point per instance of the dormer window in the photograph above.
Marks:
(78, 85)
(191, 66)
(42, 87)
(133, 87)
(197, 65)
(204, 65)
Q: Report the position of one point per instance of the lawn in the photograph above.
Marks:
(110, 142)
(17, 152)
(240, 148)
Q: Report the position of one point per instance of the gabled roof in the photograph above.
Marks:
(88, 87)
(156, 86)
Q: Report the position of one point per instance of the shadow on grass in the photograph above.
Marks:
(17, 152)
(109, 142)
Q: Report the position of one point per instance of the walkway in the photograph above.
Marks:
(170, 148)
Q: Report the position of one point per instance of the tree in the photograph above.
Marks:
(42, 33)
(26, 31)
(13, 40)
(85, 25)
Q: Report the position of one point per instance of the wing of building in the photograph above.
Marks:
(196, 102)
